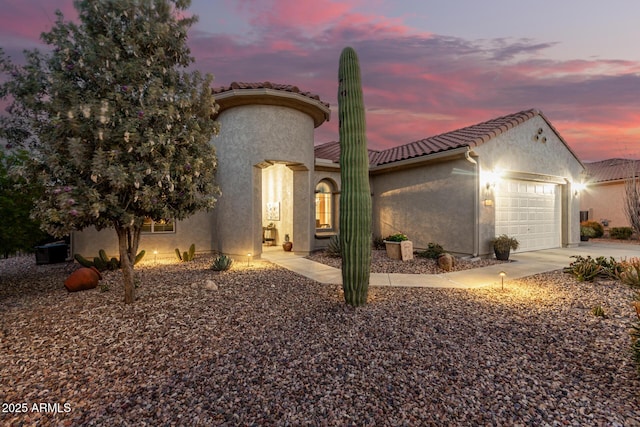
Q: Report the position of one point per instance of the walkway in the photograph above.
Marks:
(523, 264)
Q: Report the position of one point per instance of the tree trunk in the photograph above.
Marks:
(128, 240)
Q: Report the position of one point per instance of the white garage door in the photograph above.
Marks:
(530, 212)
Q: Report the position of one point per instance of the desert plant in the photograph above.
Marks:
(103, 263)
(186, 256)
(629, 273)
(334, 248)
(585, 269)
(433, 251)
(355, 200)
(398, 237)
(597, 227)
(622, 233)
(221, 263)
(504, 243)
(587, 231)
(598, 311)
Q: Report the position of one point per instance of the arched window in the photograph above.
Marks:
(324, 206)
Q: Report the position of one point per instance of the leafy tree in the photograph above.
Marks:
(120, 129)
(18, 232)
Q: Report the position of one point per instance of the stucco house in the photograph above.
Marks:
(603, 198)
(514, 174)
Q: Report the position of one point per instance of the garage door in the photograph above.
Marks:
(530, 212)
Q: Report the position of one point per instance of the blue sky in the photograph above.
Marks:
(427, 67)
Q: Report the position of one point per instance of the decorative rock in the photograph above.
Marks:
(82, 279)
(446, 262)
(210, 285)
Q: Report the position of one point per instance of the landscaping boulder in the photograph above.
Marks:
(446, 262)
(82, 279)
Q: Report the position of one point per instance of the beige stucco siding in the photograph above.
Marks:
(517, 153)
(429, 203)
(252, 137)
(605, 201)
(197, 229)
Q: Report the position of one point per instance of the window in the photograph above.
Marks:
(162, 226)
(324, 206)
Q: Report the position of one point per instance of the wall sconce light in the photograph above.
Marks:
(248, 259)
(487, 202)
(502, 274)
(491, 178)
(578, 187)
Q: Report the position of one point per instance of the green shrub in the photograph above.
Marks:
(221, 263)
(433, 251)
(398, 237)
(622, 233)
(587, 231)
(598, 311)
(334, 248)
(597, 227)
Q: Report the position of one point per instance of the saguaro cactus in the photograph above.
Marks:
(355, 196)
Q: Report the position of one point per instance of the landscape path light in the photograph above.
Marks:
(502, 274)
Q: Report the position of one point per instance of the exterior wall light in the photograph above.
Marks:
(578, 187)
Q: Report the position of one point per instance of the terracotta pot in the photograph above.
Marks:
(82, 279)
(287, 246)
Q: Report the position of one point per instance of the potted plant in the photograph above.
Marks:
(502, 246)
(392, 244)
(586, 232)
(287, 245)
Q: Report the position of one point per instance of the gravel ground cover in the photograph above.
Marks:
(381, 263)
(259, 345)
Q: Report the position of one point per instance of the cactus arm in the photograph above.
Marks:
(139, 257)
(355, 200)
(83, 261)
(192, 251)
(178, 254)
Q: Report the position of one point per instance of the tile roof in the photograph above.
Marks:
(612, 170)
(268, 85)
(470, 136)
(331, 151)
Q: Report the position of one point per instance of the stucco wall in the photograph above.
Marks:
(605, 201)
(519, 153)
(196, 229)
(429, 203)
(251, 135)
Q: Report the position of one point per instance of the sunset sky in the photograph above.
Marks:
(428, 67)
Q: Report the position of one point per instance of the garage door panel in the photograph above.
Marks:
(530, 212)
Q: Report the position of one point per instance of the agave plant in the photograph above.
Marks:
(221, 263)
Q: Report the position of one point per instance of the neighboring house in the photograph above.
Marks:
(513, 175)
(604, 198)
